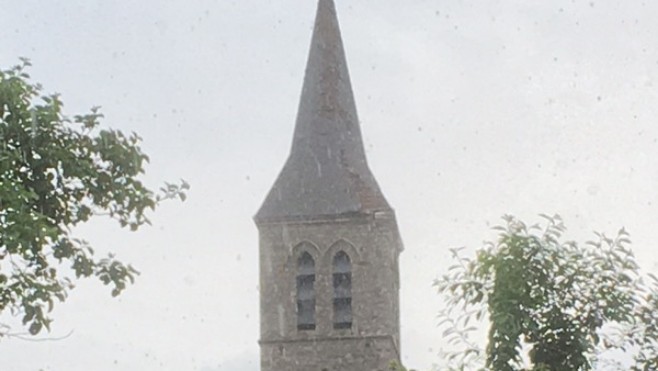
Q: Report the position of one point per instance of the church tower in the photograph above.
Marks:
(329, 241)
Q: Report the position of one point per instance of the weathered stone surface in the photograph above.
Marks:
(325, 201)
(347, 354)
(326, 173)
(373, 244)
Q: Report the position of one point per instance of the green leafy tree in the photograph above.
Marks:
(57, 172)
(551, 305)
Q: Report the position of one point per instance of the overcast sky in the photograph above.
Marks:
(469, 109)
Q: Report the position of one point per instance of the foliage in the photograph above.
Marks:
(56, 173)
(550, 303)
(644, 333)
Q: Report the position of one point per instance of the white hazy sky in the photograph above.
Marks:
(470, 109)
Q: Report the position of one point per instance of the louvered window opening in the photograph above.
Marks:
(305, 292)
(342, 283)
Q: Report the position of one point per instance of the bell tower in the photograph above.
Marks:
(329, 241)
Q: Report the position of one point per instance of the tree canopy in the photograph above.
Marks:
(550, 304)
(57, 172)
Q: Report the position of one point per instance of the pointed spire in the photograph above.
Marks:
(327, 173)
(327, 106)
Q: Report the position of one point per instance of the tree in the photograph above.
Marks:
(57, 172)
(551, 305)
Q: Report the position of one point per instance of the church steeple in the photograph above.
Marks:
(328, 241)
(326, 174)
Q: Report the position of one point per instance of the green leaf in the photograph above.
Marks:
(35, 328)
(56, 173)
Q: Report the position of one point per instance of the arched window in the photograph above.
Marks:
(342, 269)
(305, 292)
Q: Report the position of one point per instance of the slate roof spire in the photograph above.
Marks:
(326, 174)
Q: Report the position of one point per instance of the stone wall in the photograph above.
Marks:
(330, 354)
(373, 244)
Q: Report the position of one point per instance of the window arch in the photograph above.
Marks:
(305, 292)
(342, 275)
